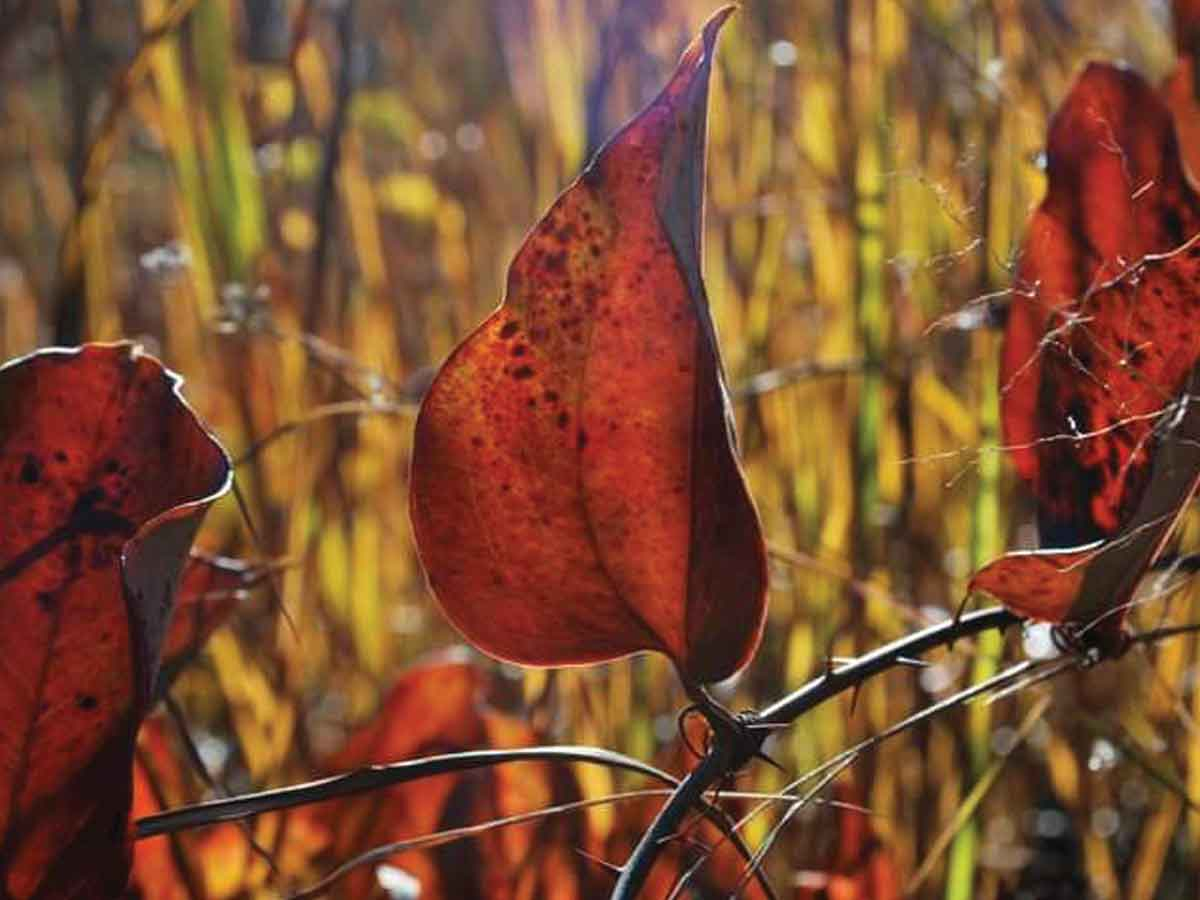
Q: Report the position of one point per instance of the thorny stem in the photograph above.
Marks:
(736, 740)
(373, 778)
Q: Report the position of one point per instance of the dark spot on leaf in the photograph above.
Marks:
(45, 601)
(86, 701)
(508, 330)
(31, 469)
(582, 439)
(519, 350)
(563, 419)
(522, 373)
(111, 466)
(59, 456)
(551, 396)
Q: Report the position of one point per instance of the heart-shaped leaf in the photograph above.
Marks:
(576, 494)
(105, 474)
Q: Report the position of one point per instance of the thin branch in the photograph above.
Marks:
(356, 408)
(377, 777)
(736, 741)
(327, 182)
(829, 684)
(449, 835)
(774, 379)
(712, 768)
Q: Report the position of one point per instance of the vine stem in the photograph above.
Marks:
(738, 739)
(713, 767)
(374, 778)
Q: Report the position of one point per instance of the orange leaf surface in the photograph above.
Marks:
(438, 707)
(105, 474)
(576, 494)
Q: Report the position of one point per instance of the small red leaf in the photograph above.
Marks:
(1103, 329)
(575, 492)
(1092, 586)
(105, 474)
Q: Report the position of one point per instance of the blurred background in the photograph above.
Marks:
(301, 205)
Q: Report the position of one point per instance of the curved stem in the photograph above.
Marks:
(375, 777)
(731, 748)
(712, 768)
(789, 708)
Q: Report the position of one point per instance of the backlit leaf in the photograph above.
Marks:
(1101, 344)
(105, 474)
(1103, 327)
(576, 495)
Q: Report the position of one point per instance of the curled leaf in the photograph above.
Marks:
(576, 494)
(1092, 586)
(105, 474)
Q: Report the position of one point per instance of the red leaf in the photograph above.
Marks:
(105, 474)
(1092, 586)
(1102, 333)
(575, 492)
(438, 707)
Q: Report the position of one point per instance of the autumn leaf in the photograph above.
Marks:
(1098, 356)
(576, 495)
(1102, 331)
(438, 706)
(105, 474)
(1093, 586)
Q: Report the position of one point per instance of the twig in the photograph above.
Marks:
(736, 742)
(829, 684)
(377, 777)
(713, 767)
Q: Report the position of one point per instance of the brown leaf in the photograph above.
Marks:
(576, 495)
(105, 474)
